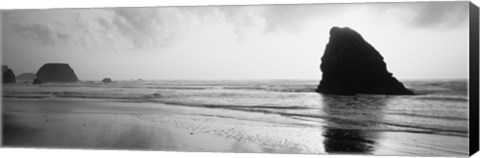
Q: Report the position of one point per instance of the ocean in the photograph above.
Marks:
(280, 114)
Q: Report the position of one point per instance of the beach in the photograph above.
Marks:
(157, 121)
(59, 125)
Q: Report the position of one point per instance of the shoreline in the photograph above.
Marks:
(94, 124)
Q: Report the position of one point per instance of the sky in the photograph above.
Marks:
(418, 40)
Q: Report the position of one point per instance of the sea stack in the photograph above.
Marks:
(107, 80)
(56, 72)
(8, 75)
(351, 66)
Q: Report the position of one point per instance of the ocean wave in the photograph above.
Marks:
(430, 116)
(444, 98)
(363, 124)
(285, 99)
(353, 122)
(297, 88)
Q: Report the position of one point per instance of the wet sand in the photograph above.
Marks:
(57, 126)
(111, 125)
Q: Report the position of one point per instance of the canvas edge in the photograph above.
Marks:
(473, 69)
(474, 78)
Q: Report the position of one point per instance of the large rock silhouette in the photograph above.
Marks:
(26, 77)
(56, 72)
(350, 66)
(8, 75)
(107, 80)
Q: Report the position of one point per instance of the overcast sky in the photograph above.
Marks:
(422, 40)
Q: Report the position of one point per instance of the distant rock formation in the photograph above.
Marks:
(8, 75)
(56, 72)
(26, 77)
(36, 81)
(107, 80)
(350, 66)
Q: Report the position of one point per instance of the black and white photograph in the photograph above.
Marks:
(387, 78)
